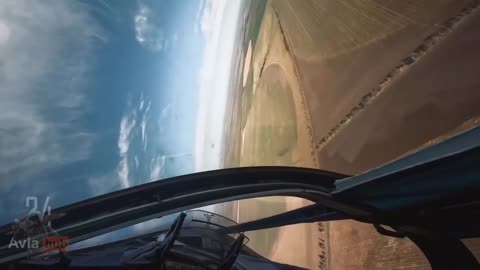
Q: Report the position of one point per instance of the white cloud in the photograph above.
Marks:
(143, 124)
(165, 112)
(144, 133)
(137, 162)
(156, 168)
(211, 18)
(145, 142)
(126, 125)
(147, 32)
(148, 107)
(123, 172)
(120, 177)
(212, 15)
(45, 59)
(198, 16)
(218, 26)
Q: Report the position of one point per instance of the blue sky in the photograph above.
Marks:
(99, 96)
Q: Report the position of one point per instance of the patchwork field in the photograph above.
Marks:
(347, 86)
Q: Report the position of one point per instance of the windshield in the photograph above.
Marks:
(100, 96)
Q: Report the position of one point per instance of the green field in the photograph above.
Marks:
(267, 117)
(270, 129)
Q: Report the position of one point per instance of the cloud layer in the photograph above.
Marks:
(133, 166)
(124, 139)
(218, 25)
(45, 59)
(147, 32)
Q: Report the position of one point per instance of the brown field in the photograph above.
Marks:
(347, 86)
